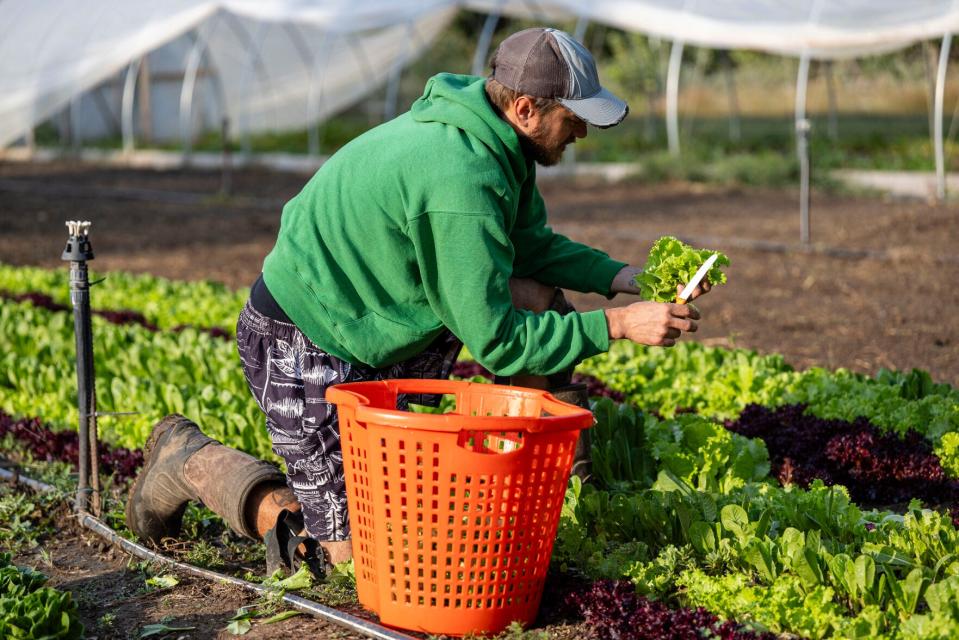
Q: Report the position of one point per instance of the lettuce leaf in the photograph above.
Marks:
(672, 263)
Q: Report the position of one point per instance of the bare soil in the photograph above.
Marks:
(878, 292)
(115, 602)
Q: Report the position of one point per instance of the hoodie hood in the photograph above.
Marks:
(460, 101)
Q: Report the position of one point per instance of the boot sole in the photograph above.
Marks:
(160, 429)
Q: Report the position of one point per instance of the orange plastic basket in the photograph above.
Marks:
(453, 516)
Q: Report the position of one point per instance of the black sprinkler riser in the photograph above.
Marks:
(78, 251)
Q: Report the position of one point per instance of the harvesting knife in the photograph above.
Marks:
(703, 270)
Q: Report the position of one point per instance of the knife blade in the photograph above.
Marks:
(697, 278)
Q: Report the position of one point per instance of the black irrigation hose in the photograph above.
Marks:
(353, 623)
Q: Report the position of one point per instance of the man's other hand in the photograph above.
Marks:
(658, 324)
(701, 288)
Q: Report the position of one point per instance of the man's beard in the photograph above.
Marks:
(539, 152)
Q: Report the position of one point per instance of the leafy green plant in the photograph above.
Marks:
(31, 611)
(711, 381)
(162, 581)
(620, 450)
(719, 383)
(165, 303)
(201, 378)
(942, 619)
(25, 518)
(672, 263)
(705, 455)
(266, 605)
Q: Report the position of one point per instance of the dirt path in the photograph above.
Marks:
(115, 602)
(863, 313)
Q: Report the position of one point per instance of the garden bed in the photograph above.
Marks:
(709, 489)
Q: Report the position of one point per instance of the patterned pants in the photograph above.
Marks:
(288, 376)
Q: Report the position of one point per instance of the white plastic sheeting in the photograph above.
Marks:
(826, 29)
(807, 29)
(288, 63)
(281, 63)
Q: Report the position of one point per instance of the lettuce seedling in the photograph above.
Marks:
(671, 264)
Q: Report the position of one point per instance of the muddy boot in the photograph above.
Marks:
(582, 459)
(182, 464)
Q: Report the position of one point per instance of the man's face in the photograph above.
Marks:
(550, 133)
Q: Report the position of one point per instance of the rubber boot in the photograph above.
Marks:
(582, 458)
(182, 464)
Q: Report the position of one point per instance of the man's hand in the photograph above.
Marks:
(623, 282)
(658, 324)
(701, 288)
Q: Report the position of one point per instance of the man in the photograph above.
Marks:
(424, 234)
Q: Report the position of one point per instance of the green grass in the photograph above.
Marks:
(863, 141)
(764, 155)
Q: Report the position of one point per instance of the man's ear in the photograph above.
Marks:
(525, 111)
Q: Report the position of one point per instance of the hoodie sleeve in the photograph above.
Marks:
(552, 258)
(465, 261)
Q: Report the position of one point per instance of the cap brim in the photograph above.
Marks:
(601, 110)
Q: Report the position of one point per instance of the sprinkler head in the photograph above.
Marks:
(78, 247)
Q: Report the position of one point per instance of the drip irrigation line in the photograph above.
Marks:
(335, 616)
(15, 478)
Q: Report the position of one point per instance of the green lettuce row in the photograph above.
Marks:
(31, 611)
(165, 303)
(784, 604)
(721, 382)
(633, 450)
(693, 519)
(708, 380)
(711, 381)
(805, 562)
(152, 373)
(893, 401)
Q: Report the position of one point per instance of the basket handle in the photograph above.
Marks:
(556, 407)
(368, 399)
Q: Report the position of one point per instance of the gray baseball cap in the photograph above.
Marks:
(549, 63)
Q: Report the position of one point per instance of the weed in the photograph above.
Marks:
(25, 517)
(199, 522)
(244, 551)
(107, 620)
(204, 554)
(46, 558)
(515, 631)
(332, 594)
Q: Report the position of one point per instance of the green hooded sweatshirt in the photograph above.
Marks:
(418, 225)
